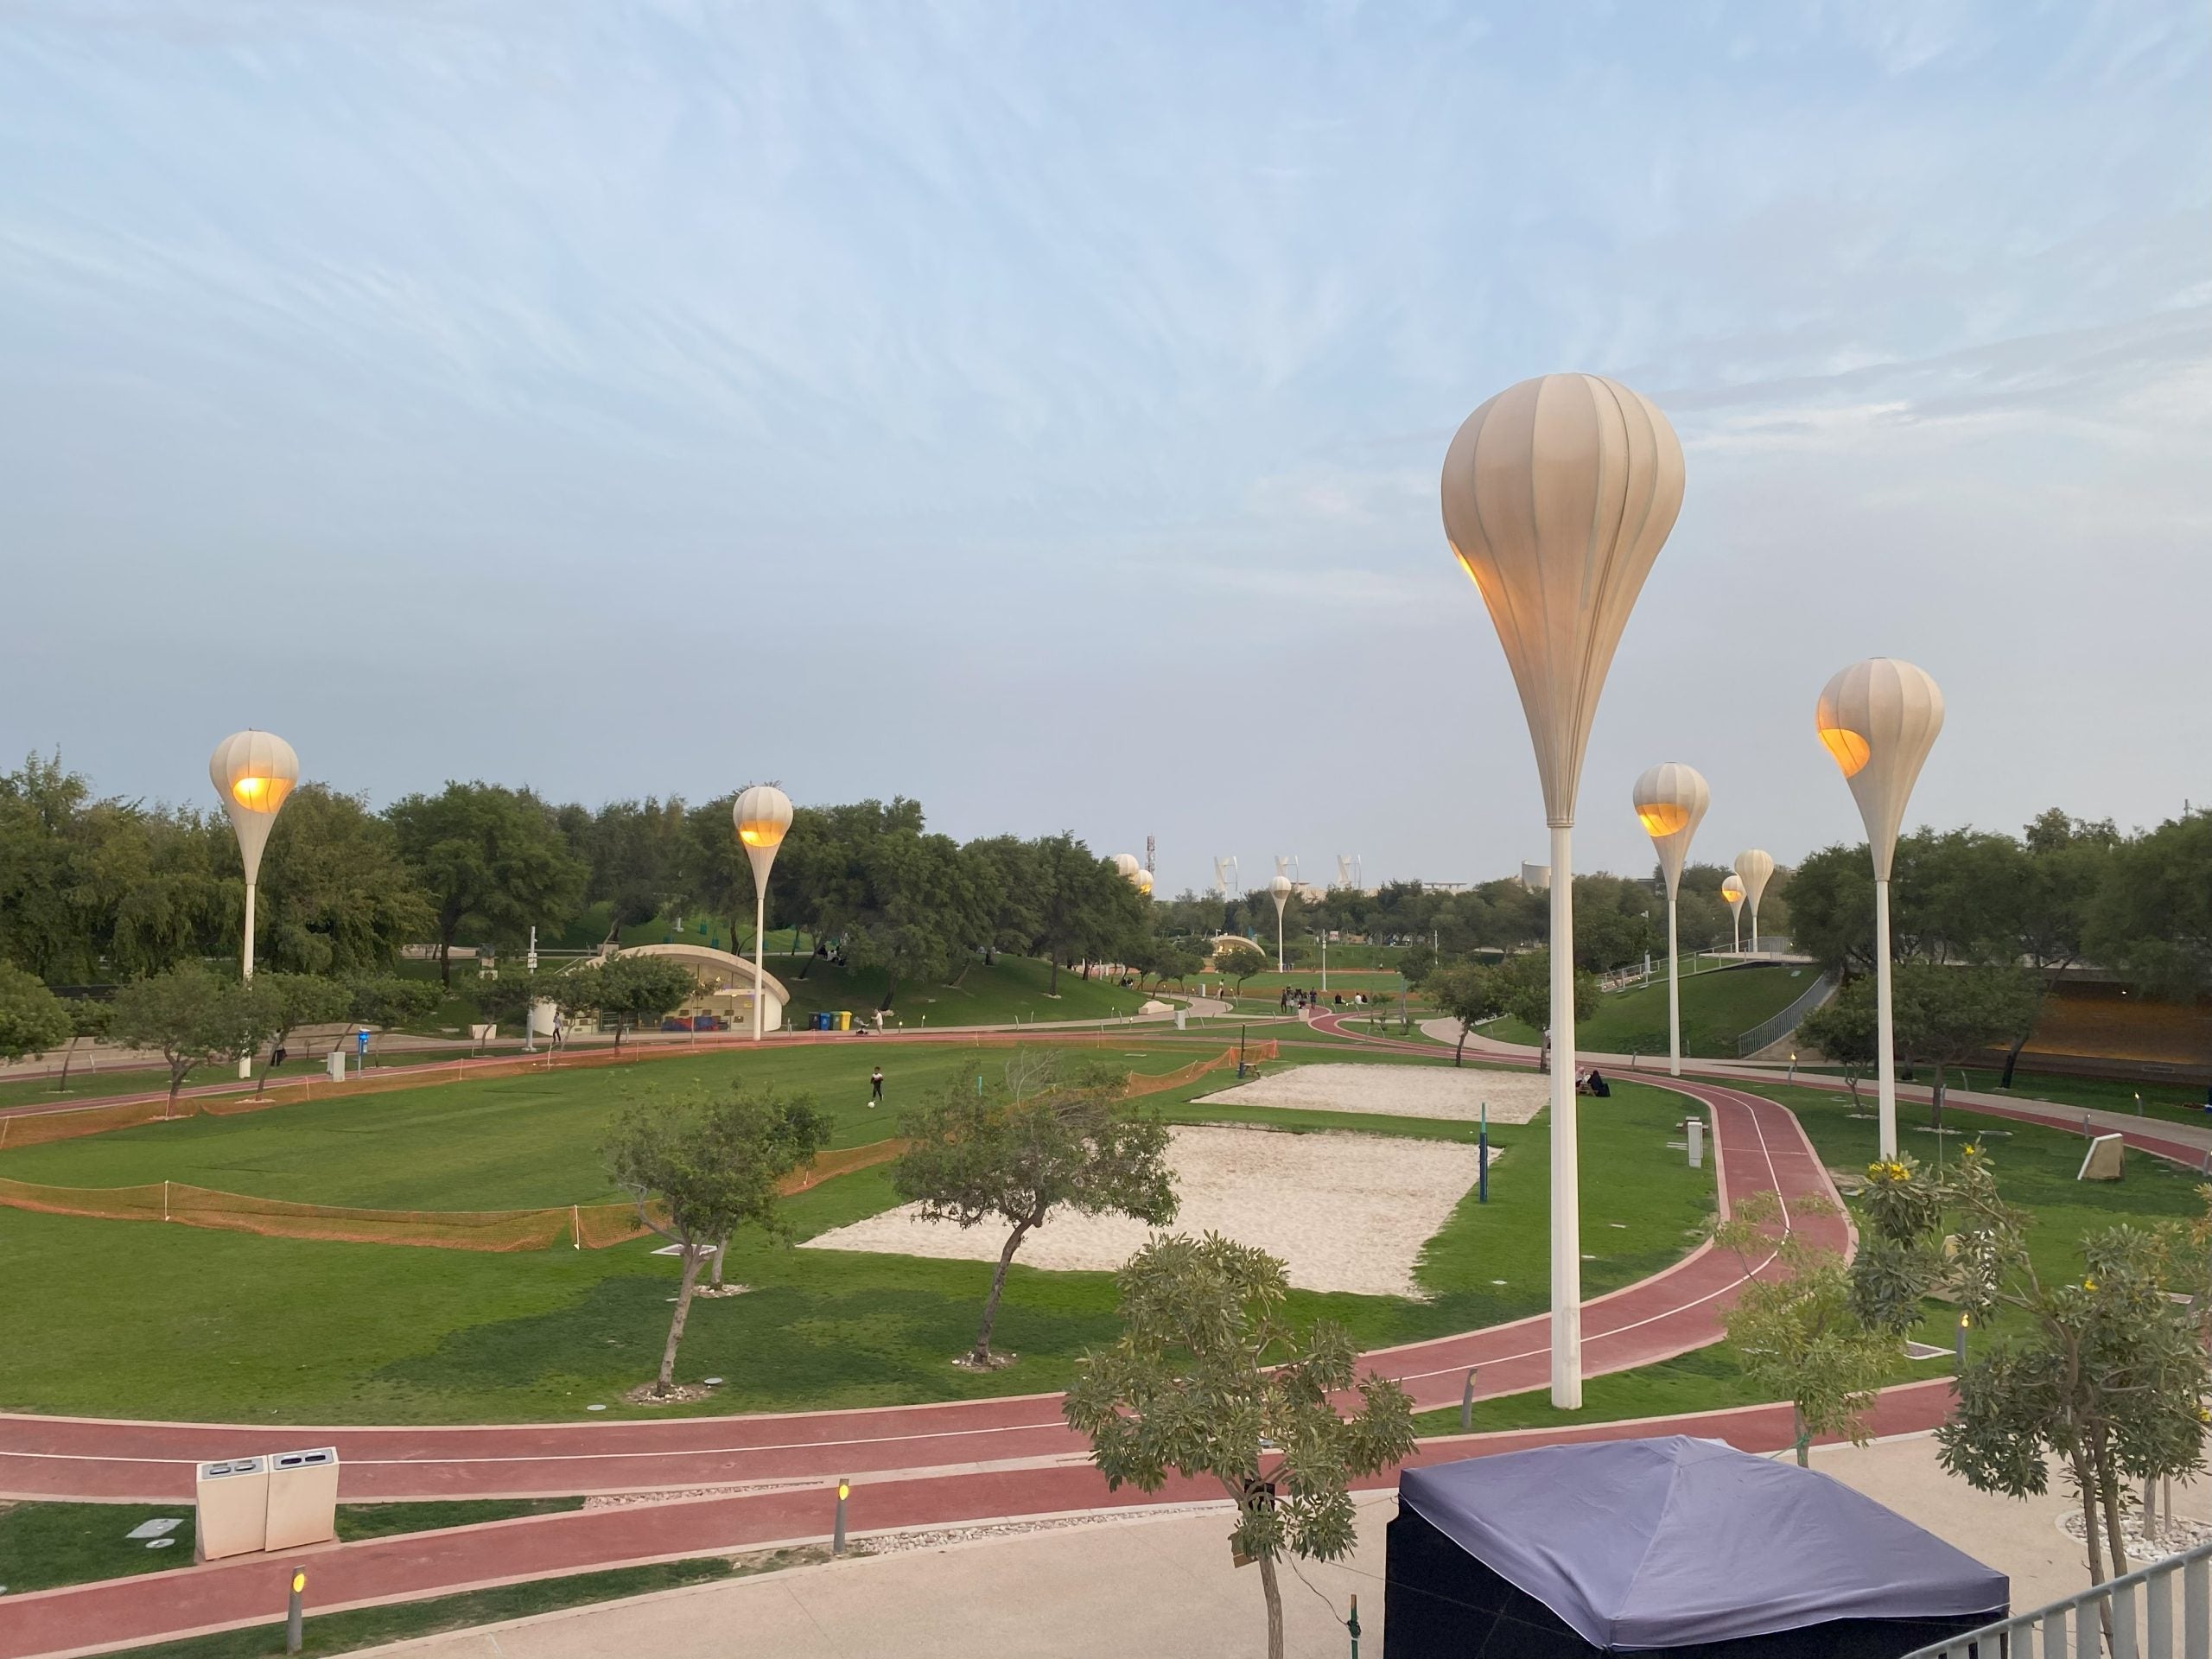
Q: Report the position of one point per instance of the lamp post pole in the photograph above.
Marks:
(1670, 802)
(1879, 719)
(253, 774)
(1558, 494)
(763, 817)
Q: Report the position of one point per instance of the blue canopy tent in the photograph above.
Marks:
(1676, 1545)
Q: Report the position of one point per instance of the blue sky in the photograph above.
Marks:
(1037, 409)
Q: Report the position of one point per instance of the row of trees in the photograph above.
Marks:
(100, 889)
(1618, 921)
(1984, 923)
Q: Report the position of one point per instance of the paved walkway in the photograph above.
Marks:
(1163, 1584)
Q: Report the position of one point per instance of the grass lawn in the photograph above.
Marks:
(2036, 1170)
(45, 1545)
(368, 1627)
(499, 1143)
(1717, 1008)
(366, 1332)
(2175, 1102)
(89, 1088)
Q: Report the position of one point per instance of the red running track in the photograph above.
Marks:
(931, 1465)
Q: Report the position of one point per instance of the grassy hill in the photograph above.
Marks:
(999, 993)
(1717, 1008)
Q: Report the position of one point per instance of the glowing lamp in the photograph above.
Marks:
(1670, 802)
(1558, 494)
(1144, 882)
(253, 774)
(762, 814)
(1880, 719)
(1732, 894)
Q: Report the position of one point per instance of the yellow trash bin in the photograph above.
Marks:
(844, 1018)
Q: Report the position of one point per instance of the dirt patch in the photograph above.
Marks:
(1345, 1211)
(679, 1393)
(1399, 1090)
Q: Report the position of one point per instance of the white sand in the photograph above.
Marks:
(1345, 1211)
(1401, 1090)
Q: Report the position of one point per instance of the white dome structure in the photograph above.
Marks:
(1754, 868)
(1558, 494)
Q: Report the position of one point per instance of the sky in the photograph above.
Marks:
(1037, 409)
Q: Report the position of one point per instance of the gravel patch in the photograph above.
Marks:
(1399, 1090)
(1345, 1211)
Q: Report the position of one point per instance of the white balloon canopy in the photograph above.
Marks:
(1880, 719)
(1558, 494)
(1670, 801)
(254, 772)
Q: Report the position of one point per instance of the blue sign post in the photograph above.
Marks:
(1482, 1158)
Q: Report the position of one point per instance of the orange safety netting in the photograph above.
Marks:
(584, 1226)
(1141, 1085)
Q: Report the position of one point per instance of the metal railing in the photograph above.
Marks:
(1774, 1030)
(2075, 1626)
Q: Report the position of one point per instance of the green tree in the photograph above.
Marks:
(1209, 1378)
(336, 898)
(1467, 992)
(631, 990)
(1798, 1333)
(1239, 961)
(297, 1000)
(88, 1017)
(2106, 1375)
(1946, 1016)
(1083, 907)
(489, 857)
(511, 996)
(637, 852)
(191, 1018)
(1015, 1153)
(381, 1001)
(700, 1173)
(1524, 982)
(1844, 1030)
(33, 1020)
(2151, 917)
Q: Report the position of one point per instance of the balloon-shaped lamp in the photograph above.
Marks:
(254, 773)
(1278, 890)
(1126, 865)
(1732, 894)
(1558, 495)
(1754, 868)
(1670, 802)
(1880, 719)
(1143, 878)
(762, 814)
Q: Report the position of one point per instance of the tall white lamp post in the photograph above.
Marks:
(763, 817)
(1880, 719)
(1732, 894)
(1670, 802)
(1278, 890)
(1754, 869)
(1558, 495)
(253, 772)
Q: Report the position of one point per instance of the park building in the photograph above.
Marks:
(726, 988)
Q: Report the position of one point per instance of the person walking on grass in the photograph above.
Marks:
(876, 1088)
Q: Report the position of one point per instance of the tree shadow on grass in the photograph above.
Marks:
(780, 1348)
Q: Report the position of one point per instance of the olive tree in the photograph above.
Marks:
(698, 1173)
(1015, 1153)
(191, 1018)
(1209, 1378)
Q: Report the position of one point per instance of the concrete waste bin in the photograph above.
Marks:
(334, 1063)
(302, 1498)
(231, 1507)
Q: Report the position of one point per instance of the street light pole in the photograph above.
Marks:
(1880, 719)
(1558, 494)
(1670, 802)
(253, 772)
(1279, 889)
(763, 817)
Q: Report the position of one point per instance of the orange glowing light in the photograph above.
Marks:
(1849, 748)
(261, 794)
(1662, 818)
(761, 832)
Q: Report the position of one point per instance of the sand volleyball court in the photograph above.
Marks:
(1345, 1211)
(1400, 1090)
